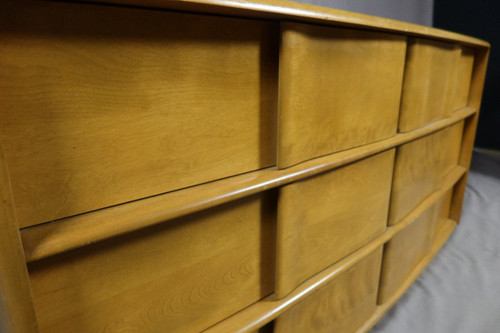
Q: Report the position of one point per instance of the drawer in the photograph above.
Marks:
(429, 82)
(420, 167)
(102, 105)
(339, 88)
(327, 217)
(407, 248)
(464, 77)
(182, 276)
(343, 305)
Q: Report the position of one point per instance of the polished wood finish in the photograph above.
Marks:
(156, 174)
(342, 305)
(429, 82)
(122, 104)
(17, 313)
(180, 277)
(406, 249)
(419, 168)
(318, 228)
(324, 106)
(51, 238)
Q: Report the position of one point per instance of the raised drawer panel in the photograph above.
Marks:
(339, 89)
(325, 218)
(102, 105)
(182, 276)
(429, 82)
(343, 305)
(420, 167)
(407, 248)
(464, 76)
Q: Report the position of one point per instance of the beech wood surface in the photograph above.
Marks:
(342, 305)
(50, 238)
(317, 228)
(180, 277)
(324, 106)
(419, 168)
(122, 104)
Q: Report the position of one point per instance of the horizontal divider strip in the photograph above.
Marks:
(442, 236)
(296, 11)
(50, 238)
(264, 311)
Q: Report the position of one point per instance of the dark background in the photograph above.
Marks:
(481, 19)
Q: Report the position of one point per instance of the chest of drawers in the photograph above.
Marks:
(224, 166)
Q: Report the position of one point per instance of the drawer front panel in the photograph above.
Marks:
(103, 105)
(464, 76)
(407, 248)
(325, 218)
(342, 305)
(183, 276)
(429, 82)
(339, 89)
(420, 167)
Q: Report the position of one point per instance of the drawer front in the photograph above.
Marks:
(464, 76)
(429, 82)
(343, 305)
(407, 248)
(325, 218)
(182, 276)
(102, 105)
(420, 167)
(339, 89)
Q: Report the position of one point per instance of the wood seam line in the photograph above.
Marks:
(47, 239)
(267, 309)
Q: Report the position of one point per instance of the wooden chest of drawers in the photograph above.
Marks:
(186, 166)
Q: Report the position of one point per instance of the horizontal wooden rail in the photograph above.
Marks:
(442, 234)
(264, 311)
(284, 10)
(47, 239)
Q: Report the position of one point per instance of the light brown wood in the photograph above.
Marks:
(17, 313)
(419, 168)
(429, 82)
(266, 310)
(443, 231)
(180, 277)
(51, 238)
(330, 91)
(470, 127)
(281, 10)
(342, 305)
(121, 104)
(463, 78)
(407, 248)
(316, 228)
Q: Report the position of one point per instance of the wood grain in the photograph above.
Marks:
(443, 232)
(266, 310)
(103, 105)
(181, 277)
(51, 238)
(330, 90)
(280, 10)
(342, 305)
(17, 312)
(429, 82)
(407, 248)
(420, 165)
(316, 227)
(463, 78)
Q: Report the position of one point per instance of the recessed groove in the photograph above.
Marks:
(264, 311)
(72, 232)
